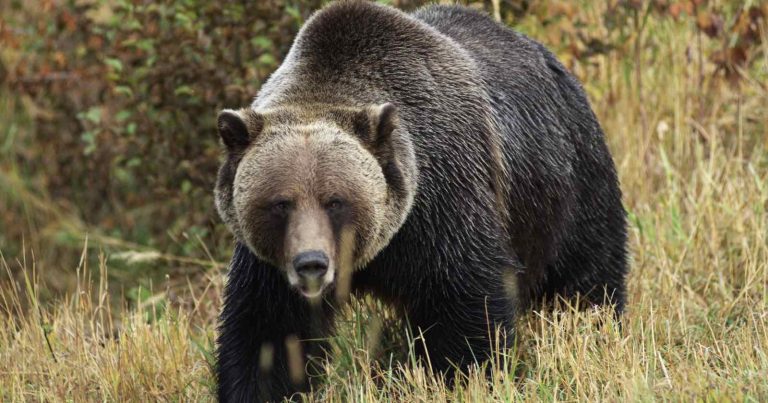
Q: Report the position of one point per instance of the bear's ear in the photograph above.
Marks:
(237, 129)
(375, 125)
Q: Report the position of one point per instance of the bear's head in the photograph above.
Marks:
(317, 192)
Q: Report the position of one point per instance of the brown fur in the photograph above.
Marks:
(475, 174)
(308, 155)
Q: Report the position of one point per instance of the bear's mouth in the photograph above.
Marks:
(311, 293)
(311, 287)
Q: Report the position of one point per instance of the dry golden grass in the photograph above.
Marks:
(76, 350)
(693, 160)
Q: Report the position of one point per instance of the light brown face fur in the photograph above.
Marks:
(297, 191)
(309, 187)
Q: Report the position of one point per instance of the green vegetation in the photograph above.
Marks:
(111, 256)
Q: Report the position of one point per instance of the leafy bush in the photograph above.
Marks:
(125, 97)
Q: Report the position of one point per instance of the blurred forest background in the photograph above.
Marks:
(108, 155)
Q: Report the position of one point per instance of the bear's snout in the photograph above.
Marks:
(311, 272)
(309, 248)
(311, 265)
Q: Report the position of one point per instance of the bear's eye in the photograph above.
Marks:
(280, 206)
(334, 204)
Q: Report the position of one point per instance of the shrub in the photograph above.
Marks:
(125, 97)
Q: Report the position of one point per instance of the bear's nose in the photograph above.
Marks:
(311, 265)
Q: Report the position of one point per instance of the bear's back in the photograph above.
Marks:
(356, 53)
(560, 170)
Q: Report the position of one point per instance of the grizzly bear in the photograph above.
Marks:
(438, 161)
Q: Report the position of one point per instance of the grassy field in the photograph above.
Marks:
(692, 153)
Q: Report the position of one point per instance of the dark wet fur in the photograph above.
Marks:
(514, 176)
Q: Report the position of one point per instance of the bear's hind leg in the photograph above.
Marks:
(463, 327)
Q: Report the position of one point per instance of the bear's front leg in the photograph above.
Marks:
(464, 324)
(266, 333)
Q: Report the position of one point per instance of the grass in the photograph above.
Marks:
(691, 153)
